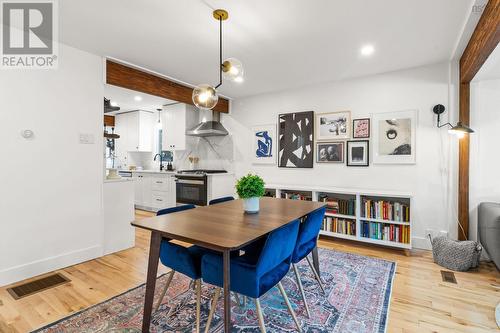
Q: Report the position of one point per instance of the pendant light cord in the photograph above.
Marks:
(220, 53)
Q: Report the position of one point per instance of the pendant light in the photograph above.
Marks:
(205, 96)
(158, 124)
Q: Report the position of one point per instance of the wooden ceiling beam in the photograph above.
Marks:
(134, 79)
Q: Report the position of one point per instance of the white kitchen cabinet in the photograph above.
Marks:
(176, 119)
(154, 190)
(136, 130)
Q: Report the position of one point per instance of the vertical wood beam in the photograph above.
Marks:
(463, 165)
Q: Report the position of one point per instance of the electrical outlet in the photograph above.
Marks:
(86, 138)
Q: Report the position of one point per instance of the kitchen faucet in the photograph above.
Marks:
(161, 161)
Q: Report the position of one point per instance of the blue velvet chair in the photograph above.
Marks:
(253, 274)
(220, 200)
(185, 260)
(307, 240)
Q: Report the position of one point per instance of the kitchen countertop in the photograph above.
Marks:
(117, 180)
(175, 172)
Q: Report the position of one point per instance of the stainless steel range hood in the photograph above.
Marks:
(209, 128)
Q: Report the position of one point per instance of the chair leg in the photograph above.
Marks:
(261, 317)
(198, 304)
(289, 306)
(164, 290)
(301, 288)
(316, 275)
(212, 308)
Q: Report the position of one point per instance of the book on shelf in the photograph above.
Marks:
(339, 225)
(297, 196)
(385, 210)
(387, 232)
(339, 206)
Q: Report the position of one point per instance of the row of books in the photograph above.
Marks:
(385, 210)
(338, 225)
(339, 206)
(296, 196)
(388, 232)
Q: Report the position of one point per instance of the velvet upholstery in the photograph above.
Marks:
(220, 200)
(308, 234)
(185, 260)
(253, 274)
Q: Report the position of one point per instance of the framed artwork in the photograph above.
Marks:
(295, 133)
(264, 144)
(394, 137)
(333, 125)
(330, 152)
(361, 128)
(358, 153)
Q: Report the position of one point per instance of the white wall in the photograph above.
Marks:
(484, 148)
(430, 180)
(51, 186)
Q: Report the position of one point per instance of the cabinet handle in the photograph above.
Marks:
(159, 200)
(158, 182)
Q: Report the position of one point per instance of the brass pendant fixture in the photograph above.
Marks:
(205, 96)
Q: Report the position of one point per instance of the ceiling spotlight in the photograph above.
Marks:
(367, 50)
(137, 98)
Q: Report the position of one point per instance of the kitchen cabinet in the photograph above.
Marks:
(136, 130)
(176, 119)
(154, 190)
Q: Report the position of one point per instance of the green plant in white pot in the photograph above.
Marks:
(250, 188)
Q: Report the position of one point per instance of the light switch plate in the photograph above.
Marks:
(87, 138)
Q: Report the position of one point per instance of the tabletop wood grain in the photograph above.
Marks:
(225, 226)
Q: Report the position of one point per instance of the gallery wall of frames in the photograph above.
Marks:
(302, 139)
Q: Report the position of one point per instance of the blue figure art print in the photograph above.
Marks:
(264, 138)
(264, 144)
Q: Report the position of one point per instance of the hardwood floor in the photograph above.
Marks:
(420, 301)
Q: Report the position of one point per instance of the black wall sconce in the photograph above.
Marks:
(459, 129)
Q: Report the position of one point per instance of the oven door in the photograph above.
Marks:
(191, 190)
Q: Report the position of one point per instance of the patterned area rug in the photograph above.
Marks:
(358, 293)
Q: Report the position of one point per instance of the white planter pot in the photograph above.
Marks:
(251, 205)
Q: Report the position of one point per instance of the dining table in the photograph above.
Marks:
(225, 228)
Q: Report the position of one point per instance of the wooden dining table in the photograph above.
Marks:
(224, 228)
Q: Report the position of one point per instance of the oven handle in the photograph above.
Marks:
(189, 181)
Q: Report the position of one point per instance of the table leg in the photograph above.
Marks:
(227, 291)
(316, 260)
(154, 256)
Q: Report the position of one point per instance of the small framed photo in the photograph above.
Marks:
(358, 153)
(333, 126)
(330, 152)
(361, 128)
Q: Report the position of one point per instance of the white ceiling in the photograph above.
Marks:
(491, 68)
(125, 99)
(282, 43)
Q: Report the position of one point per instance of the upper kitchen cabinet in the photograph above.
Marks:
(136, 131)
(176, 119)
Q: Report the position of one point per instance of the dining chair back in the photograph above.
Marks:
(220, 200)
(174, 209)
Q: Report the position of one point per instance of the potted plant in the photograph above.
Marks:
(250, 188)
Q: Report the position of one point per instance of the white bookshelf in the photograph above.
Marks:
(357, 195)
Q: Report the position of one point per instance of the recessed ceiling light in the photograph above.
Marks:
(137, 98)
(367, 50)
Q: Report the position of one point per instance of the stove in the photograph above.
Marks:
(192, 186)
(200, 172)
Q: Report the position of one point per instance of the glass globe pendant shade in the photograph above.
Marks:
(205, 97)
(233, 70)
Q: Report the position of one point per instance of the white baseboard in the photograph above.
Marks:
(421, 243)
(25, 271)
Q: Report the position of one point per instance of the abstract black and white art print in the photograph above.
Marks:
(296, 132)
(330, 152)
(358, 153)
(394, 137)
(264, 144)
(333, 125)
